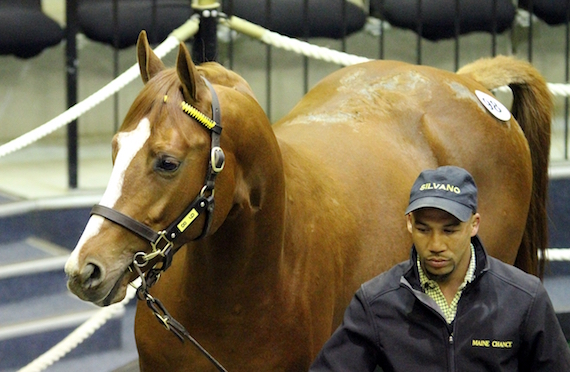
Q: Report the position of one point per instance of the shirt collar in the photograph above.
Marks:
(425, 282)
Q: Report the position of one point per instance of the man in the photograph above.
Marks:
(451, 307)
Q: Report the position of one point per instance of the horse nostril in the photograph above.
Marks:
(91, 275)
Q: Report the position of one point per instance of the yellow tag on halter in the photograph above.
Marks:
(196, 114)
(190, 217)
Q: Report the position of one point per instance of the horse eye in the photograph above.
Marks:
(167, 164)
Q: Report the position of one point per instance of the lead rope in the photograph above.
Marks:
(160, 312)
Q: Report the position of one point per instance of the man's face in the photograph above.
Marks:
(443, 242)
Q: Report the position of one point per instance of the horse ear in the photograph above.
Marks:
(149, 63)
(188, 74)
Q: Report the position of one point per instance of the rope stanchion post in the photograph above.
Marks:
(205, 46)
(71, 77)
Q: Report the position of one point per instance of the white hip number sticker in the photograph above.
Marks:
(496, 108)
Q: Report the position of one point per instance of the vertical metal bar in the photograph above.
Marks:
(306, 34)
(381, 39)
(268, 60)
(567, 73)
(71, 64)
(457, 31)
(344, 25)
(230, 11)
(419, 32)
(530, 10)
(116, 62)
(154, 21)
(494, 29)
(205, 46)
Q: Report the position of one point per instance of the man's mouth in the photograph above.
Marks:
(437, 262)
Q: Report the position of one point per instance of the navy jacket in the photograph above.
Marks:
(504, 322)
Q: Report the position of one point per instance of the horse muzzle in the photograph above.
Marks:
(93, 283)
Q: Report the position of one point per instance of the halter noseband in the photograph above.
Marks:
(162, 242)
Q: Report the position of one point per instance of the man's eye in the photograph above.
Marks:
(167, 164)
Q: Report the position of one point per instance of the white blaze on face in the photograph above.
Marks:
(129, 144)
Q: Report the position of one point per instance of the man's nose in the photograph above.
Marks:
(436, 243)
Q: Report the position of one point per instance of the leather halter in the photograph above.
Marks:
(162, 242)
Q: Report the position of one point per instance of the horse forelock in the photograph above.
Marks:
(151, 102)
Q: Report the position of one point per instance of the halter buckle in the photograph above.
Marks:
(162, 239)
(217, 159)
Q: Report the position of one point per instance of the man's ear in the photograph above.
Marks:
(409, 222)
(475, 221)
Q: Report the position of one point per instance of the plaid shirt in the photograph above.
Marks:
(431, 288)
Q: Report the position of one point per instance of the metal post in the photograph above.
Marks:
(494, 30)
(306, 34)
(344, 21)
(229, 10)
(116, 36)
(205, 47)
(268, 61)
(71, 64)
(381, 39)
(567, 76)
(530, 19)
(419, 31)
(457, 32)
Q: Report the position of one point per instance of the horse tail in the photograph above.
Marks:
(532, 108)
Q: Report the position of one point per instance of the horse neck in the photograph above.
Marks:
(247, 246)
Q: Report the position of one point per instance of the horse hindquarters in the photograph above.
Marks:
(532, 108)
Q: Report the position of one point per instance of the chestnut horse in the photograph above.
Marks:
(305, 210)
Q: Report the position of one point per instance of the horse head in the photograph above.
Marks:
(167, 155)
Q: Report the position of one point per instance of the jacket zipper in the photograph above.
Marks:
(451, 353)
(450, 340)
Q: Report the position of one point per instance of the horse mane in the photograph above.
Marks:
(218, 74)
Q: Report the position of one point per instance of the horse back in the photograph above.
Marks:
(355, 143)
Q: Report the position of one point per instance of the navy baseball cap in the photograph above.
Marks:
(449, 188)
